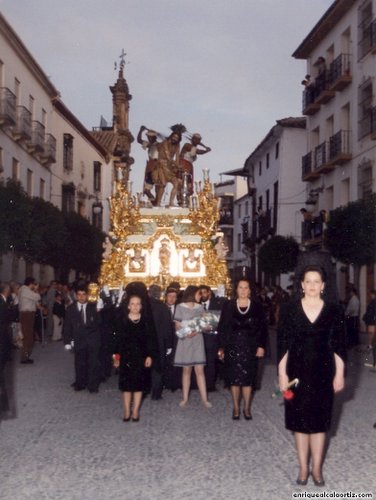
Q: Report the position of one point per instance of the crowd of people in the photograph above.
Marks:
(182, 339)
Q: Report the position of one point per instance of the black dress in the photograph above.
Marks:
(311, 347)
(240, 335)
(135, 341)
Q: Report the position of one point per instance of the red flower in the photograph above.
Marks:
(288, 395)
(116, 357)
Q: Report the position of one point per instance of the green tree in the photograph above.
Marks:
(14, 218)
(351, 234)
(278, 255)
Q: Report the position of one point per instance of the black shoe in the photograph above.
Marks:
(93, 391)
(235, 416)
(247, 416)
(318, 482)
(302, 482)
(135, 419)
(126, 419)
(27, 361)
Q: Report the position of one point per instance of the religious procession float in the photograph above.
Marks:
(168, 232)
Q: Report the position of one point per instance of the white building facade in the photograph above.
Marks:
(45, 147)
(276, 192)
(339, 165)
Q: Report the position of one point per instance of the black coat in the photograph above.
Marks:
(5, 332)
(163, 326)
(83, 334)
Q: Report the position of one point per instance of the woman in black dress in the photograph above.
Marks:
(311, 347)
(137, 348)
(242, 332)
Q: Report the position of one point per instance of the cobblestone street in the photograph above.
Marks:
(75, 446)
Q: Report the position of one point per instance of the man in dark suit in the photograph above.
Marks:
(5, 346)
(210, 303)
(165, 332)
(82, 327)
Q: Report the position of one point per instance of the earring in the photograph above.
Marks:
(303, 292)
(321, 292)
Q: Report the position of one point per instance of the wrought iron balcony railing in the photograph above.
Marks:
(7, 107)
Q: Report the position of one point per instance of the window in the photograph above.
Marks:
(260, 204)
(31, 105)
(81, 208)
(68, 152)
(366, 30)
(29, 182)
(97, 176)
(260, 168)
(365, 180)
(277, 150)
(345, 192)
(44, 118)
(267, 160)
(15, 169)
(246, 208)
(68, 195)
(239, 242)
(17, 90)
(267, 199)
(365, 109)
(42, 188)
(239, 210)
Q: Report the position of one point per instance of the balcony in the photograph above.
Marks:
(49, 154)
(22, 130)
(367, 43)
(339, 148)
(308, 173)
(7, 107)
(321, 163)
(367, 125)
(340, 73)
(373, 123)
(310, 107)
(37, 137)
(322, 90)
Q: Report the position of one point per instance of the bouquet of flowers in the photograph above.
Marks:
(209, 321)
(288, 395)
(189, 326)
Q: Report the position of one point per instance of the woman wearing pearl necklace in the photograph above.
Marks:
(242, 336)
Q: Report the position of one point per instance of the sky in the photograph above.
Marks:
(223, 68)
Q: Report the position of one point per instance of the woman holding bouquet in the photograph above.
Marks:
(190, 349)
(243, 333)
(136, 350)
(311, 347)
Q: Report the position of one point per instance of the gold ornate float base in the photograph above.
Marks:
(162, 245)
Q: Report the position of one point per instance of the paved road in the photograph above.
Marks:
(74, 446)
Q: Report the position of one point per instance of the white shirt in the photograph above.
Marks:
(27, 299)
(82, 307)
(352, 308)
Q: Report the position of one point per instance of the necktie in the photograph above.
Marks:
(205, 306)
(82, 313)
(171, 311)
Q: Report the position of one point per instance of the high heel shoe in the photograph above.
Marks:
(135, 419)
(302, 482)
(247, 415)
(126, 419)
(318, 482)
(235, 416)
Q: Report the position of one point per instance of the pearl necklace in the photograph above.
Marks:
(247, 309)
(135, 321)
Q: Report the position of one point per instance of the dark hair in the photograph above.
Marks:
(81, 288)
(205, 287)
(237, 284)
(29, 281)
(313, 269)
(132, 296)
(190, 293)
